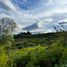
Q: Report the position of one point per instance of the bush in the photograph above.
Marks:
(40, 56)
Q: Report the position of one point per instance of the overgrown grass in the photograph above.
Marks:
(40, 55)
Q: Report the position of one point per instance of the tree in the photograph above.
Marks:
(7, 27)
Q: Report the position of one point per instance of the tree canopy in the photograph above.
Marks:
(7, 26)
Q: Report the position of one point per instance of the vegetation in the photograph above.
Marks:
(37, 56)
(26, 40)
(29, 50)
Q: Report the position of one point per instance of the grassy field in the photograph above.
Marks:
(39, 50)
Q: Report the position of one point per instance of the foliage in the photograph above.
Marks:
(7, 27)
(47, 51)
(38, 56)
(25, 40)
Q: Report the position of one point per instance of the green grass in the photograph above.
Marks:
(38, 56)
(47, 51)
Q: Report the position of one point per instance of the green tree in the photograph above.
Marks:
(7, 28)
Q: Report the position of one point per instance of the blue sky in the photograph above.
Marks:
(27, 5)
(27, 12)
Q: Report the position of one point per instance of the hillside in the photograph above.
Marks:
(34, 50)
(28, 39)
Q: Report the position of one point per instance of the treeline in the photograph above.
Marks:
(23, 40)
(48, 35)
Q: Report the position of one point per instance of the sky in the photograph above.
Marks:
(27, 12)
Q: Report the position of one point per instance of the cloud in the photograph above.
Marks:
(44, 11)
(64, 20)
(7, 5)
(10, 10)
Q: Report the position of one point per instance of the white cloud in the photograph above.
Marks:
(64, 20)
(8, 4)
(45, 11)
(20, 16)
(61, 2)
